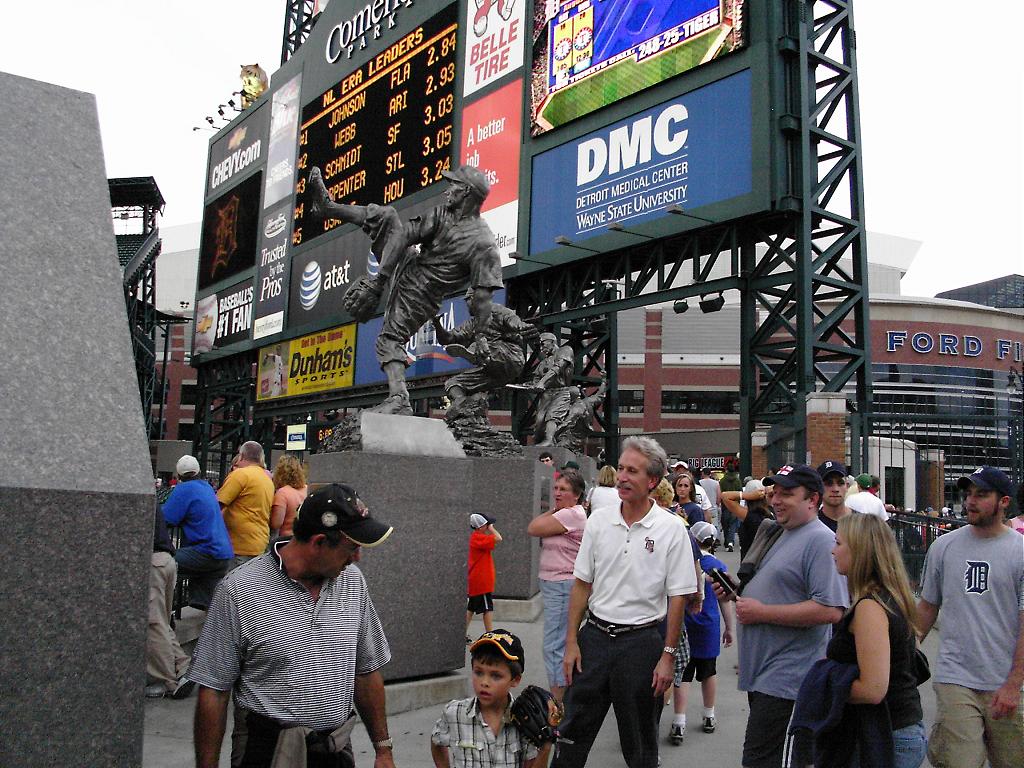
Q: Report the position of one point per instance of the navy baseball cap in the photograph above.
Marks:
(832, 468)
(988, 479)
(793, 475)
(510, 646)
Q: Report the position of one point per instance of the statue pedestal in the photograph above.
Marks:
(409, 477)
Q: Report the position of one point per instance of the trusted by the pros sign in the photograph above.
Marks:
(243, 149)
(272, 271)
(691, 151)
(318, 362)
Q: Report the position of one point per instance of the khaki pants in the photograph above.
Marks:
(165, 661)
(965, 734)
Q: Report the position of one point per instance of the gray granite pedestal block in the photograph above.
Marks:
(417, 577)
(76, 488)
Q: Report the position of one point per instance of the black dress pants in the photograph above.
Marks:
(617, 671)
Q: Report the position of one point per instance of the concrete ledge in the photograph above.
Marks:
(407, 695)
(518, 610)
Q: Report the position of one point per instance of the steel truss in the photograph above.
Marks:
(810, 250)
(298, 23)
(139, 200)
(225, 396)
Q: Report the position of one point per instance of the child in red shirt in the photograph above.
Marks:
(481, 569)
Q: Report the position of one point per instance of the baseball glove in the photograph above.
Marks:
(536, 713)
(362, 297)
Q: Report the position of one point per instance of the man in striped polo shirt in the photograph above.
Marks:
(294, 635)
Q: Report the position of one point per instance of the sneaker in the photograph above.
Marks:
(183, 690)
(156, 691)
(728, 547)
(677, 734)
(709, 725)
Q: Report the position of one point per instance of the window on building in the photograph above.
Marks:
(686, 401)
(188, 394)
(631, 401)
(186, 431)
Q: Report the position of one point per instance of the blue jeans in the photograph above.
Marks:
(556, 621)
(911, 745)
(204, 573)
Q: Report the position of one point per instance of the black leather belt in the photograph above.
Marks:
(614, 630)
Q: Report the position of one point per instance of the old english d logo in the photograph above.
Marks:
(976, 577)
(649, 544)
(226, 235)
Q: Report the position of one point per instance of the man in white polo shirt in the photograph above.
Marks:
(634, 567)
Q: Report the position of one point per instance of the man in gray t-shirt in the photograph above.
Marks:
(976, 576)
(785, 613)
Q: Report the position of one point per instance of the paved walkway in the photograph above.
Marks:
(168, 732)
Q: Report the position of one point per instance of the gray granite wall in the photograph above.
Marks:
(76, 491)
(417, 577)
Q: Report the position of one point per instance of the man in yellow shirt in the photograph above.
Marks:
(245, 498)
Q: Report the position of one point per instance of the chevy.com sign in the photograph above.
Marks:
(691, 151)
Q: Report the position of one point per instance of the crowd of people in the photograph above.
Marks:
(636, 606)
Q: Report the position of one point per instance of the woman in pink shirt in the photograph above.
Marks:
(561, 531)
(290, 485)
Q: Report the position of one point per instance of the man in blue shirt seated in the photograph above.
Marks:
(206, 552)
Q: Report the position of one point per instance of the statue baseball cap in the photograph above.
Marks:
(832, 468)
(508, 644)
(988, 479)
(792, 475)
(337, 507)
(472, 177)
(187, 465)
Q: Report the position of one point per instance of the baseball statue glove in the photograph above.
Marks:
(362, 297)
(536, 713)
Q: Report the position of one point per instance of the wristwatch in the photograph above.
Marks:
(670, 650)
(383, 743)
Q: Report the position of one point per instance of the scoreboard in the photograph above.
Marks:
(385, 130)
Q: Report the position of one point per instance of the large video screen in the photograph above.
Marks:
(385, 130)
(230, 222)
(589, 53)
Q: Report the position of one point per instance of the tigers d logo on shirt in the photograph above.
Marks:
(649, 545)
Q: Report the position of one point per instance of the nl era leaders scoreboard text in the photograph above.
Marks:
(385, 130)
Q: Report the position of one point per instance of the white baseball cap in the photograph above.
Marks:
(476, 520)
(187, 465)
(703, 531)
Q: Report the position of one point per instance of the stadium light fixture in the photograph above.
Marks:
(563, 240)
(680, 306)
(676, 210)
(712, 305)
(516, 256)
(616, 226)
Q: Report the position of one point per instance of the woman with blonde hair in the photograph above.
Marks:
(604, 494)
(882, 606)
(290, 492)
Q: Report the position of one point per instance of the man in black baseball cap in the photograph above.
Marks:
(785, 613)
(310, 648)
(833, 501)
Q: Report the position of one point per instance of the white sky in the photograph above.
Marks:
(940, 93)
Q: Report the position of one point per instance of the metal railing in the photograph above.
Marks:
(914, 535)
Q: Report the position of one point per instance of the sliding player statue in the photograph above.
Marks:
(455, 247)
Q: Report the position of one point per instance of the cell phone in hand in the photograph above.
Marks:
(722, 579)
